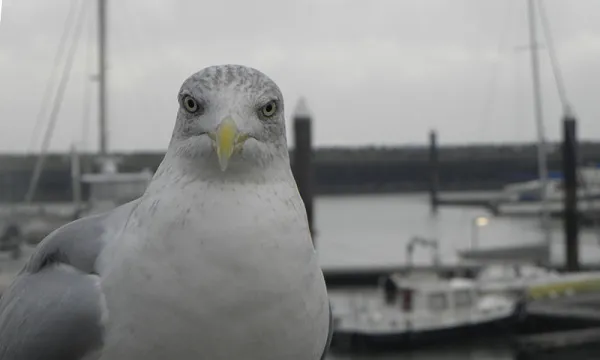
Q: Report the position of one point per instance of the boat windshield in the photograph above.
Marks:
(438, 301)
(462, 298)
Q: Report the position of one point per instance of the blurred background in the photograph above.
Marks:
(471, 125)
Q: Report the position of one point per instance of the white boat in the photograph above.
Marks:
(524, 198)
(589, 186)
(535, 282)
(515, 270)
(513, 277)
(544, 196)
(410, 311)
(417, 308)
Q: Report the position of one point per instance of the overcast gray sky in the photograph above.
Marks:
(379, 72)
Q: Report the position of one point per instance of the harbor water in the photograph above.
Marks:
(366, 230)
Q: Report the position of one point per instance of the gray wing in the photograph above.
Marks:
(329, 335)
(54, 308)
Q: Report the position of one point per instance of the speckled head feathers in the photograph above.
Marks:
(241, 98)
(239, 77)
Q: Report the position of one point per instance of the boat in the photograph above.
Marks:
(412, 311)
(513, 277)
(523, 271)
(523, 198)
(544, 197)
(529, 191)
(530, 282)
(28, 222)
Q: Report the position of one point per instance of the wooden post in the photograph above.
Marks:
(302, 163)
(433, 171)
(571, 218)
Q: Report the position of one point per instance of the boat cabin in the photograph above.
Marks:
(430, 295)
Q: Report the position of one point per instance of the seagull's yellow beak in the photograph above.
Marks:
(227, 139)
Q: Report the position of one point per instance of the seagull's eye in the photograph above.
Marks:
(190, 104)
(269, 109)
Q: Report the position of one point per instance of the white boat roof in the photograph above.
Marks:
(430, 284)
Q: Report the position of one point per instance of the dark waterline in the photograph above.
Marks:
(496, 352)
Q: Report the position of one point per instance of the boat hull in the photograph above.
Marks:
(344, 340)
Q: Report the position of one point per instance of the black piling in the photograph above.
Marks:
(571, 218)
(434, 182)
(302, 161)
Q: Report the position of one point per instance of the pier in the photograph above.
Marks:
(557, 325)
(548, 346)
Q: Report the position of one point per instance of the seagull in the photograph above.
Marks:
(214, 261)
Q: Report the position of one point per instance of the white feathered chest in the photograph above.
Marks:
(233, 272)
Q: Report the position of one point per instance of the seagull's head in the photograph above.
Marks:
(230, 118)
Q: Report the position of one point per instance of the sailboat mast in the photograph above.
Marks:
(102, 76)
(541, 150)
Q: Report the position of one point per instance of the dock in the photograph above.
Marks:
(536, 252)
(487, 200)
(588, 214)
(578, 309)
(560, 324)
(368, 277)
(588, 209)
(551, 345)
